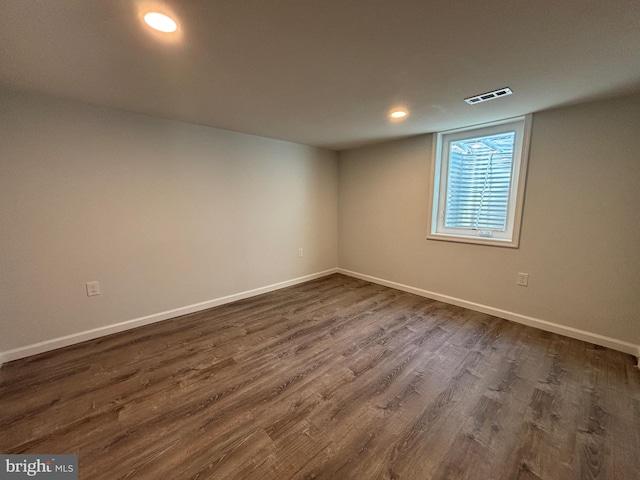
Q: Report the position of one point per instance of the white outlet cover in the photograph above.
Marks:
(523, 279)
(93, 288)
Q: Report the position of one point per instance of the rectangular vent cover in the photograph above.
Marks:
(488, 96)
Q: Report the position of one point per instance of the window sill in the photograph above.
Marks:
(494, 242)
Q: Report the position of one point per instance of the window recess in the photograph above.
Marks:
(478, 180)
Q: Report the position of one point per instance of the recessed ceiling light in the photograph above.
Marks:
(398, 114)
(160, 22)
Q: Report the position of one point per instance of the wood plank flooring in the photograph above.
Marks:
(336, 378)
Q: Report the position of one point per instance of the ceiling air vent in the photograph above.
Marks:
(488, 96)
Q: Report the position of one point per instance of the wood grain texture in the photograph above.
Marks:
(333, 379)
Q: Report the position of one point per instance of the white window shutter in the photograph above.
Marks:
(479, 182)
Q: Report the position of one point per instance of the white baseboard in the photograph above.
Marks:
(571, 332)
(74, 338)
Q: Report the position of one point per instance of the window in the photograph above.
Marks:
(478, 179)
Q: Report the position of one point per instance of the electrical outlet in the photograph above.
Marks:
(523, 279)
(93, 288)
(300, 253)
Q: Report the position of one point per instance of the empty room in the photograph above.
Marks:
(304, 239)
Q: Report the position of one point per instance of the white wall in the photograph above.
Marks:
(164, 214)
(580, 238)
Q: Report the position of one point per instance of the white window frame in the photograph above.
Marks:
(510, 237)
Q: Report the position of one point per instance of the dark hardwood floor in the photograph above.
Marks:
(336, 378)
